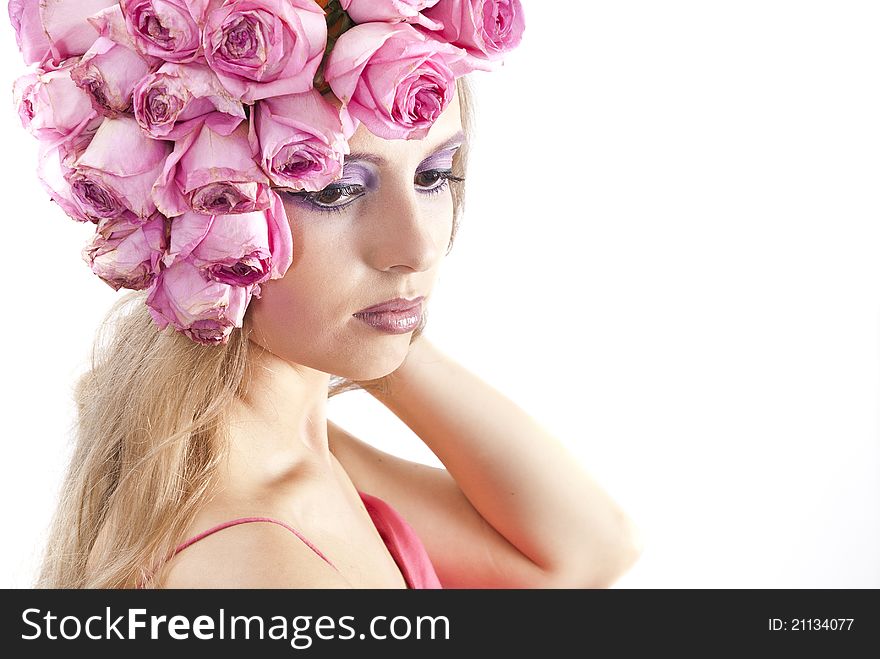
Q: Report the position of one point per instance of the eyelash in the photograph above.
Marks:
(310, 198)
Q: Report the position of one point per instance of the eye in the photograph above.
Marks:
(331, 195)
(432, 181)
(331, 198)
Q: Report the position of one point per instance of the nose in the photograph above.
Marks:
(406, 234)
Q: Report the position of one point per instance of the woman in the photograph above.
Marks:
(211, 463)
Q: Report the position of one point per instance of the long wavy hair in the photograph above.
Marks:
(150, 433)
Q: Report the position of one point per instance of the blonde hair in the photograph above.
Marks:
(151, 431)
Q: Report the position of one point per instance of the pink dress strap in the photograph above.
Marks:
(246, 520)
(399, 537)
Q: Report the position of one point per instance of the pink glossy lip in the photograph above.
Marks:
(398, 316)
(397, 304)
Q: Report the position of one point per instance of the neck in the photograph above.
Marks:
(279, 423)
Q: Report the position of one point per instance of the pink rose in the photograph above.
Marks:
(32, 41)
(55, 29)
(126, 254)
(55, 164)
(212, 174)
(393, 78)
(23, 98)
(301, 138)
(485, 28)
(167, 102)
(50, 105)
(390, 11)
(108, 72)
(162, 28)
(204, 309)
(110, 23)
(117, 170)
(262, 48)
(243, 249)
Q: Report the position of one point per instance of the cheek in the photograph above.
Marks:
(277, 317)
(439, 209)
(297, 314)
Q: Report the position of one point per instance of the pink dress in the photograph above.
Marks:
(403, 544)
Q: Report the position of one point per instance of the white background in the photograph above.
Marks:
(669, 257)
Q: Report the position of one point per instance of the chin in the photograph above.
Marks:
(379, 367)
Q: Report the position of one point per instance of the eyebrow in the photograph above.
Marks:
(455, 140)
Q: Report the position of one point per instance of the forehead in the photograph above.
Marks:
(447, 125)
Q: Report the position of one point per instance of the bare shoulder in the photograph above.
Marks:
(251, 555)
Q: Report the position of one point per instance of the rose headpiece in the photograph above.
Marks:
(166, 124)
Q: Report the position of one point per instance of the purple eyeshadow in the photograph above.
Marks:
(440, 160)
(356, 174)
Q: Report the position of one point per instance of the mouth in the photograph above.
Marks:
(397, 316)
(395, 305)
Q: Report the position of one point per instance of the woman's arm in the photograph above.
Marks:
(518, 477)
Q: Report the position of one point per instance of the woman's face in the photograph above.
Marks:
(378, 233)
